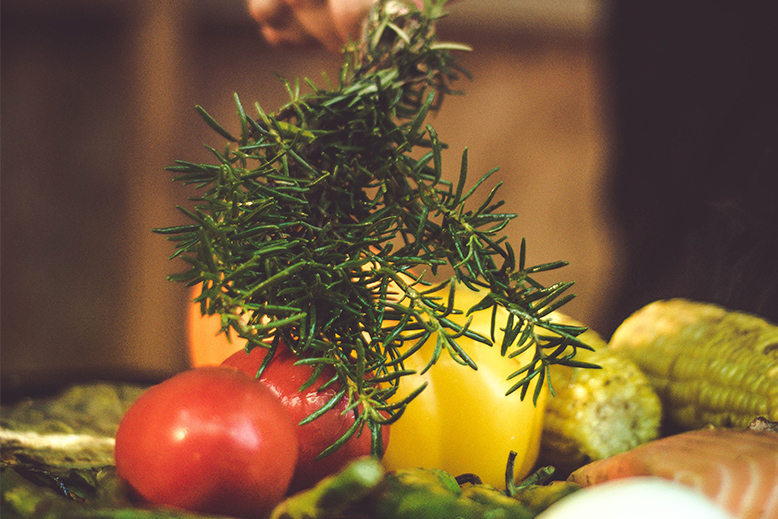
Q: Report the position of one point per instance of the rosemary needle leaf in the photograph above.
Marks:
(343, 439)
(213, 124)
(332, 402)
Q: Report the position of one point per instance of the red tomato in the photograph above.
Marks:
(285, 380)
(208, 440)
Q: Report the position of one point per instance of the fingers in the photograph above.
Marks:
(277, 21)
(315, 17)
(347, 17)
(295, 21)
(331, 22)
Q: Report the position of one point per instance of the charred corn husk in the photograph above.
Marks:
(597, 412)
(709, 365)
(420, 493)
(540, 497)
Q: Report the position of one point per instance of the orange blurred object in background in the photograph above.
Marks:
(207, 346)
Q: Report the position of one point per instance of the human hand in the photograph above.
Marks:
(330, 22)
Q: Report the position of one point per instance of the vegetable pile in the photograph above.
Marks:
(48, 473)
(397, 348)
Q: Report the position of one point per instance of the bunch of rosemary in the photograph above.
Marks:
(317, 224)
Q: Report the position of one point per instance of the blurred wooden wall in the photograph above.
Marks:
(98, 97)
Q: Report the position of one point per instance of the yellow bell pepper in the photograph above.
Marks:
(463, 422)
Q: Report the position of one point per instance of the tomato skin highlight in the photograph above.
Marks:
(285, 379)
(208, 440)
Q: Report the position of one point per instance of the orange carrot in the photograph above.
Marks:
(737, 469)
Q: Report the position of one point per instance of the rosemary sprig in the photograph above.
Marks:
(317, 224)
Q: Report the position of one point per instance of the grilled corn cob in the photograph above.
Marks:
(710, 366)
(597, 412)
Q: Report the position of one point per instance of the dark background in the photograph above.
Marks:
(694, 182)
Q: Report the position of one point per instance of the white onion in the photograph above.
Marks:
(635, 498)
